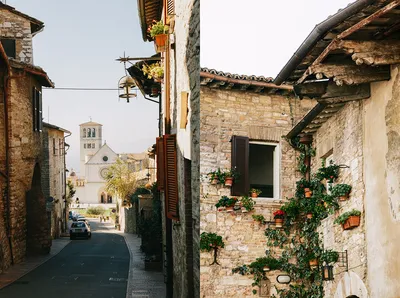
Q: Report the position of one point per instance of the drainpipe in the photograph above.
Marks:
(7, 87)
(307, 139)
(65, 186)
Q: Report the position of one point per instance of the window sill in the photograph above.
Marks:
(267, 200)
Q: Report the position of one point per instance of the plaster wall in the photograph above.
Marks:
(382, 192)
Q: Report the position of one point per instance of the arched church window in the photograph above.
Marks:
(89, 132)
(102, 198)
(94, 132)
(84, 132)
(109, 199)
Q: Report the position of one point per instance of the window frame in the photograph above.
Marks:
(276, 167)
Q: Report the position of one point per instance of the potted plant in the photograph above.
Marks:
(329, 257)
(159, 32)
(329, 173)
(255, 192)
(307, 192)
(226, 202)
(279, 215)
(259, 217)
(229, 176)
(211, 241)
(213, 176)
(313, 261)
(349, 219)
(341, 191)
(154, 71)
(247, 204)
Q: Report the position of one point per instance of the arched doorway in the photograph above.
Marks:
(351, 286)
(37, 220)
(102, 198)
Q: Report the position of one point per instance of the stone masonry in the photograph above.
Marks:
(261, 117)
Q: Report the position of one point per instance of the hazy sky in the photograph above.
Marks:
(78, 48)
(257, 36)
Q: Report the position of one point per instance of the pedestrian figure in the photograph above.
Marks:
(101, 218)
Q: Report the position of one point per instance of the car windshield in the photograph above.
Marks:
(78, 225)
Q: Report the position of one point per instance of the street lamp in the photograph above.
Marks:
(125, 84)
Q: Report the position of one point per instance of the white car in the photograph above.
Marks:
(79, 229)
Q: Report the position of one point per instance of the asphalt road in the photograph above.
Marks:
(96, 268)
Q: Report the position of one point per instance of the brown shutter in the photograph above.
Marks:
(160, 163)
(240, 161)
(171, 177)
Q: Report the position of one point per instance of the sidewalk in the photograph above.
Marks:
(141, 283)
(19, 270)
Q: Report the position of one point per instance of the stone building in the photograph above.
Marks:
(23, 224)
(352, 57)
(54, 176)
(178, 146)
(243, 119)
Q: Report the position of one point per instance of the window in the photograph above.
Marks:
(94, 132)
(84, 132)
(54, 146)
(258, 167)
(84, 146)
(89, 132)
(9, 47)
(93, 146)
(37, 109)
(89, 146)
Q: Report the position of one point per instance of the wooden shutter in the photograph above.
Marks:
(40, 111)
(171, 177)
(170, 7)
(34, 109)
(160, 164)
(240, 161)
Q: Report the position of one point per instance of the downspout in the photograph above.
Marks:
(7, 87)
(65, 186)
(318, 32)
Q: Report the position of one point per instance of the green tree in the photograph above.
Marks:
(70, 192)
(121, 181)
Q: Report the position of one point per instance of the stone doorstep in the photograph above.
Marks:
(17, 271)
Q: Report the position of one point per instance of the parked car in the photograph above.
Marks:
(82, 218)
(79, 229)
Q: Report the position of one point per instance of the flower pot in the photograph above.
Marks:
(344, 198)
(161, 42)
(306, 139)
(352, 222)
(278, 222)
(325, 204)
(266, 268)
(244, 210)
(313, 263)
(229, 208)
(254, 195)
(214, 181)
(228, 181)
(309, 215)
(307, 192)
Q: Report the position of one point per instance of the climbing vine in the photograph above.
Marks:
(299, 237)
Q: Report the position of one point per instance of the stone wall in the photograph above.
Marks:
(261, 117)
(341, 139)
(16, 27)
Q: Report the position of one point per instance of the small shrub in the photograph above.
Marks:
(95, 210)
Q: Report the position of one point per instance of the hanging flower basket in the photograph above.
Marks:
(279, 222)
(349, 220)
(159, 32)
(228, 181)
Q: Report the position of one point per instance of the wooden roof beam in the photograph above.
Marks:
(334, 43)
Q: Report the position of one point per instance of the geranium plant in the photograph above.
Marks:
(279, 214)
(247, 203)
(259, 217)
(226, 202)
(157, 28)
(209, 241)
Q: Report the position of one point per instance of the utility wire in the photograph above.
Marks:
(86, 89)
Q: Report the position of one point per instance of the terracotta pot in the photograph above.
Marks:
(161, 42)
(351, 222)
(266, 268)
(325, 204)
(254, 195)
(309, 215)
(278, 222)
(344, 198)
(308, 194)
(229, 208)
(306, 139)
(244, 210)
(228, 181)
(313, 263)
